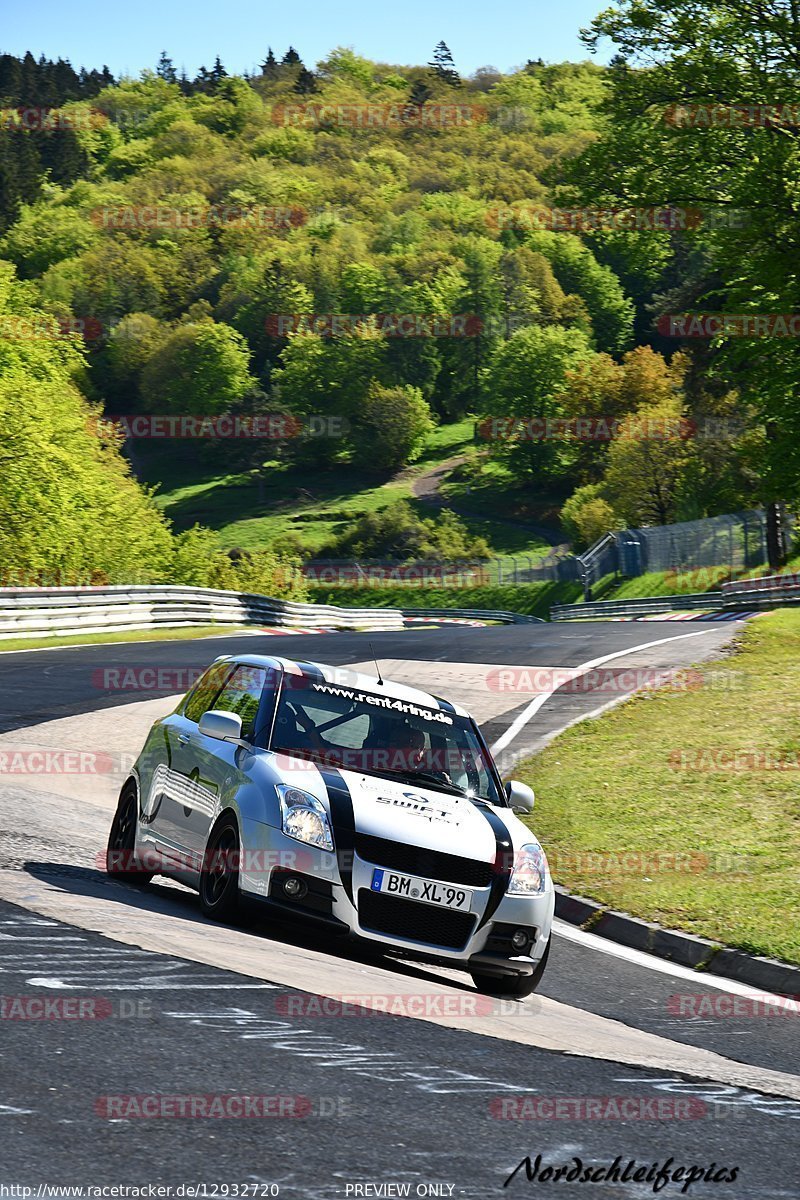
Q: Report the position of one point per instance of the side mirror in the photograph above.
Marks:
(520, 796)
(223, 726)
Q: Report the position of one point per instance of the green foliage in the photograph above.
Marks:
(194, 554)
(197, 369)
(375, 219)
(670, 137)
(398, 534)
(647, 465)
(197, 561)
(392, 427)
(532, 599)
(579, 272)
(45, 233)
(69, 507)
(131, 343)
(587, 516)
(526, 379)
(258, 572)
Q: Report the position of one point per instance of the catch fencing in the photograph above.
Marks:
(735, 541)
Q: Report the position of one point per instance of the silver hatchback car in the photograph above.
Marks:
(362, 804)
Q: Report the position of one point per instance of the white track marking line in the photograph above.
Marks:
(168, 985)
(640, 958)
(534, 706)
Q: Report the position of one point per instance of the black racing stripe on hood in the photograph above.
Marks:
(503, 862)
(344, 824)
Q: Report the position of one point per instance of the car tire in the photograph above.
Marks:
(219, 879)
(121, 860)
(512, 987)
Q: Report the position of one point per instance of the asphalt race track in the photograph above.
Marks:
(446, 1100)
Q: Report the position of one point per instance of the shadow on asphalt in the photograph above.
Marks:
(173, 899)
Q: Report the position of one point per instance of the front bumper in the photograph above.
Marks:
(496, 964)
(409, 926)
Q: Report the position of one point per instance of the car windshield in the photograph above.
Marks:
(382, 735)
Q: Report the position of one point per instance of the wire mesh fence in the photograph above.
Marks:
(726, 545)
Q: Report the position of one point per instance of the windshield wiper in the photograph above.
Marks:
(422, 776)
(305, 752)
(412, 777)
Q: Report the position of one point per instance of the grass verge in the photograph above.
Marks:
(678, 583)
(532, 599)
(165, 634)
(653, 779)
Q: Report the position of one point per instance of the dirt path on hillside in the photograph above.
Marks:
(426, 487)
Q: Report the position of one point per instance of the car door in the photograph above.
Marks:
(173, 784)
(214, 770)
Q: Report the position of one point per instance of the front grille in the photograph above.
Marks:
(431, 864)
(413, 921)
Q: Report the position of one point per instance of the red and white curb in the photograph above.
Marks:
(703, 615)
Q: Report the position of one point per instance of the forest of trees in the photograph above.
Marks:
(188, 227)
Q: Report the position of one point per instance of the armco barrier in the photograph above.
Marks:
(478, 614)
(768, 591)
(635, 608)
(768, 588)
(34, 612)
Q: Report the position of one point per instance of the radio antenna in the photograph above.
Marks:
(375, 660)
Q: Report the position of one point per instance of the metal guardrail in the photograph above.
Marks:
(768, 591)
(479, 614)
(635, 608)
(790, 581)
(34, 612)
(600, 559)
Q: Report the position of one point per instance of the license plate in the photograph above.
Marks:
(411, 887)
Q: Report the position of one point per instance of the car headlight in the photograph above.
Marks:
(303, 817)
(530, 871)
